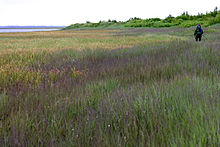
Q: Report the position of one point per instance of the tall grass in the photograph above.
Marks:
(152, 90)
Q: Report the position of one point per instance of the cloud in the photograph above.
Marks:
(66, 12)
(15, 2)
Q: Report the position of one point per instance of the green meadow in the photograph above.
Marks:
(110, 87)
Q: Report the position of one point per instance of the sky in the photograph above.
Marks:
(67, 12)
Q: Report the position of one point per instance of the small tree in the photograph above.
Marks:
(215, 12)
(169, 18)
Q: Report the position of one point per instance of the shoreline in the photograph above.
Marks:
(17, 30)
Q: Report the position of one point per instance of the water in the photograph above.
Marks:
(24, 30)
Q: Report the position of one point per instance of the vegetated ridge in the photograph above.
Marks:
(185, 20)
(30, 27)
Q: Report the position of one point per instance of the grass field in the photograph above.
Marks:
(122, 87)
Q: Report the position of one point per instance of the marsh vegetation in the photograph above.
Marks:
(116, 87)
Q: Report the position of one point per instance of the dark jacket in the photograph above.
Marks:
(198, 31)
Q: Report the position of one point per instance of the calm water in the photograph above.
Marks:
(24, 30)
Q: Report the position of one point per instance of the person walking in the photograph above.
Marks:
(198, 33)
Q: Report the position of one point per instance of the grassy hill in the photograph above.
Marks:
(184, 20)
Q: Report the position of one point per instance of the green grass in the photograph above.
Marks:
(130, 87)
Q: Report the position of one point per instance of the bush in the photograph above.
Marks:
(169, 19)
(162, 24)
(184, 16)
(154, 19)
(177, 21)
(185, 20)
(186, 24)
(214, 20)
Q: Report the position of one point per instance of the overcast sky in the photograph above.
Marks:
(66, 12)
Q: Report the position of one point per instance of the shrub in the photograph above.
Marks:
(162, 24)
(169, 19)
(186, 24)
(214, 20)
(184, 20)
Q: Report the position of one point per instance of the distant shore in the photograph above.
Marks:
(15, 30)
(32, 27)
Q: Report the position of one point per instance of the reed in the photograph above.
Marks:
(131, 87)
